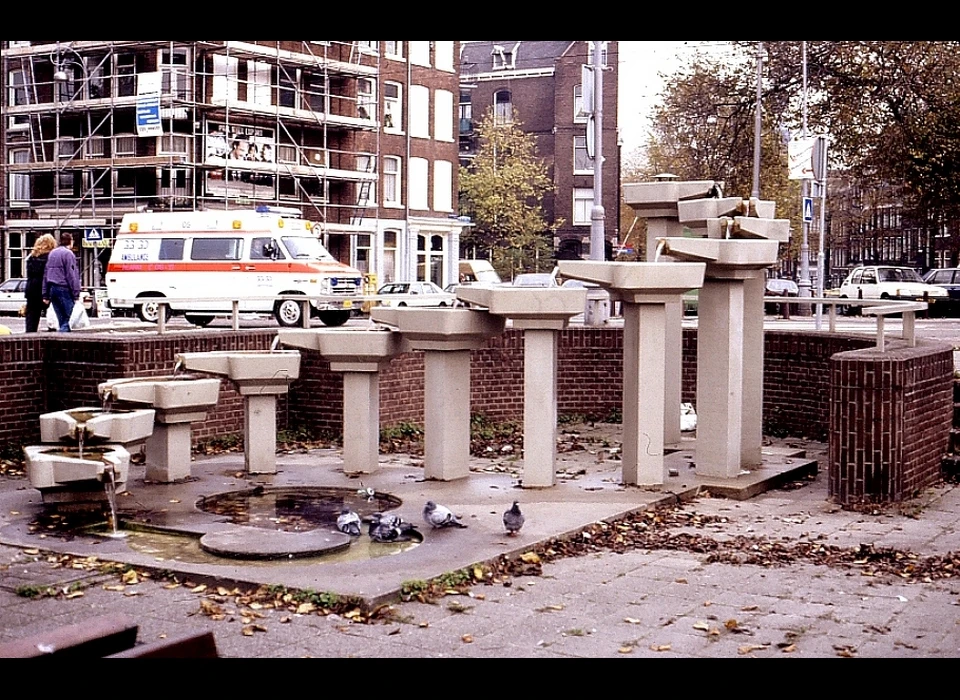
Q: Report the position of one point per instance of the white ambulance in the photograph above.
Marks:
(216, 257)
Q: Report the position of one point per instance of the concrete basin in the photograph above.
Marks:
(638, 279)
(660, 198)
(249, 369)
(440, 329)
(94, 425)
(695, 212)
(542, 308)
(728, 254)
(752, 227)
(171, 393)
(50, 467)
(345, 345)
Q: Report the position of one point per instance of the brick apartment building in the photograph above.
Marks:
(358, 136)
(539, 84)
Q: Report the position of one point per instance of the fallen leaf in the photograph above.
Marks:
(75, 594)
(199, 589)
(701, 626)
(747, 648)
(731, 624)
(467, 638)
(174, 500)
(631, 620)
(117, 587)
(305, 608)
(130, 577)
(660, 647)
(530, 558)
(222, 591)
(31, 551)
(477, 573)
(789, 649)
(749, 608)
(625, 650)
(170, 586)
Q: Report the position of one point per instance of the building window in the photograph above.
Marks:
(417, 184)
(420, 53)
(391, 181)
(259, 87)
(174, 144)
(390, 256)
(502, 57)
(582, 205)
(17, 95)
(126, 75)
(393, 107)
(175, 182)
(443, 55)
(393, 49)
(176, 77)
(315, 91)
(367, 46)
(443, 115)
(466, 113)
(582, 163)
(19, 183)
(420, 111)
(287, 87)
(366, 98)
(502, 108)
(366, 189)
(363, 253)
(579, 115)
(225, 81)
(442, 186)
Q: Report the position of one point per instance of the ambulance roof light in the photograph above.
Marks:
(282, 211)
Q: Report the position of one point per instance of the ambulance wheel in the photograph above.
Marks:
(199, 320)
(289, 313)
(150, 311)
(334, 318)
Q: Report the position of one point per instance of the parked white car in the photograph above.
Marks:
(890, 282)
(415, 294)
(12, 295)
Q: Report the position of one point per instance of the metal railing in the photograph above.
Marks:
(881, 308)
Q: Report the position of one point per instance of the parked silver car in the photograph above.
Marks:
(12, 295)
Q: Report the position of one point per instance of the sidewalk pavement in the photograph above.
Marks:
(683, 601)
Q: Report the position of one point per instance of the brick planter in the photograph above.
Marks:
(890, 419)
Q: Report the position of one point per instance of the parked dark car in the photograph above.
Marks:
(949, 279)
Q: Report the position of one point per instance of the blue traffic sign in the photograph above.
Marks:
(807, 210)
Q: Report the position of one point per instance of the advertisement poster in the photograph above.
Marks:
(148, 105)
(245, 155)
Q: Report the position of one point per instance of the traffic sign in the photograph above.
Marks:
(807, 210)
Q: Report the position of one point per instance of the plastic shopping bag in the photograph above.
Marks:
(78, 319)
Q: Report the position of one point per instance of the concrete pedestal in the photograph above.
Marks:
(446, 414)
(539, 407)
(260, 433)
(361, 420)
(168, 452)
(644, 386)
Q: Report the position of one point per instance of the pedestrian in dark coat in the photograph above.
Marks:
(36, 266)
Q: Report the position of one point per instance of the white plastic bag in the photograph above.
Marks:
(78, 319)
(688, 418)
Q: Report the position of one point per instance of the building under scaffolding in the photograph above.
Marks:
(356, 135)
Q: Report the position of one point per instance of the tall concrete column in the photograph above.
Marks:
(754, 287)
(644, 382)
(539, 407)
(446, 409)
(361, 416)
(660, 227)
(260, 433)
(720, 378)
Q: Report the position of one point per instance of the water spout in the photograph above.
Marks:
(661, 245)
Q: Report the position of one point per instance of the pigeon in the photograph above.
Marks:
(366, 492)
(390, 528)
(513, 519)
(438, 516)
(348, 522)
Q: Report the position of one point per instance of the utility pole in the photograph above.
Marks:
(598, 300)
(757, 124)
(804, 282)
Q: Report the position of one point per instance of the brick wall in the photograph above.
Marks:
(885, 415)
(890, 421)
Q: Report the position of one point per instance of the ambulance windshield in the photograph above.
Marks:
(306, 248)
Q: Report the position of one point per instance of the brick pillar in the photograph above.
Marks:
(890, 417)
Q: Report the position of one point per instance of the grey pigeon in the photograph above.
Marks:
(437, 516)
(513, 519)
(392, 528)
(348, 522)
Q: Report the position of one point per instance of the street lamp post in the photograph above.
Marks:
(598, 300)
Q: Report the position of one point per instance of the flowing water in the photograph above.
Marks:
(110, 486)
